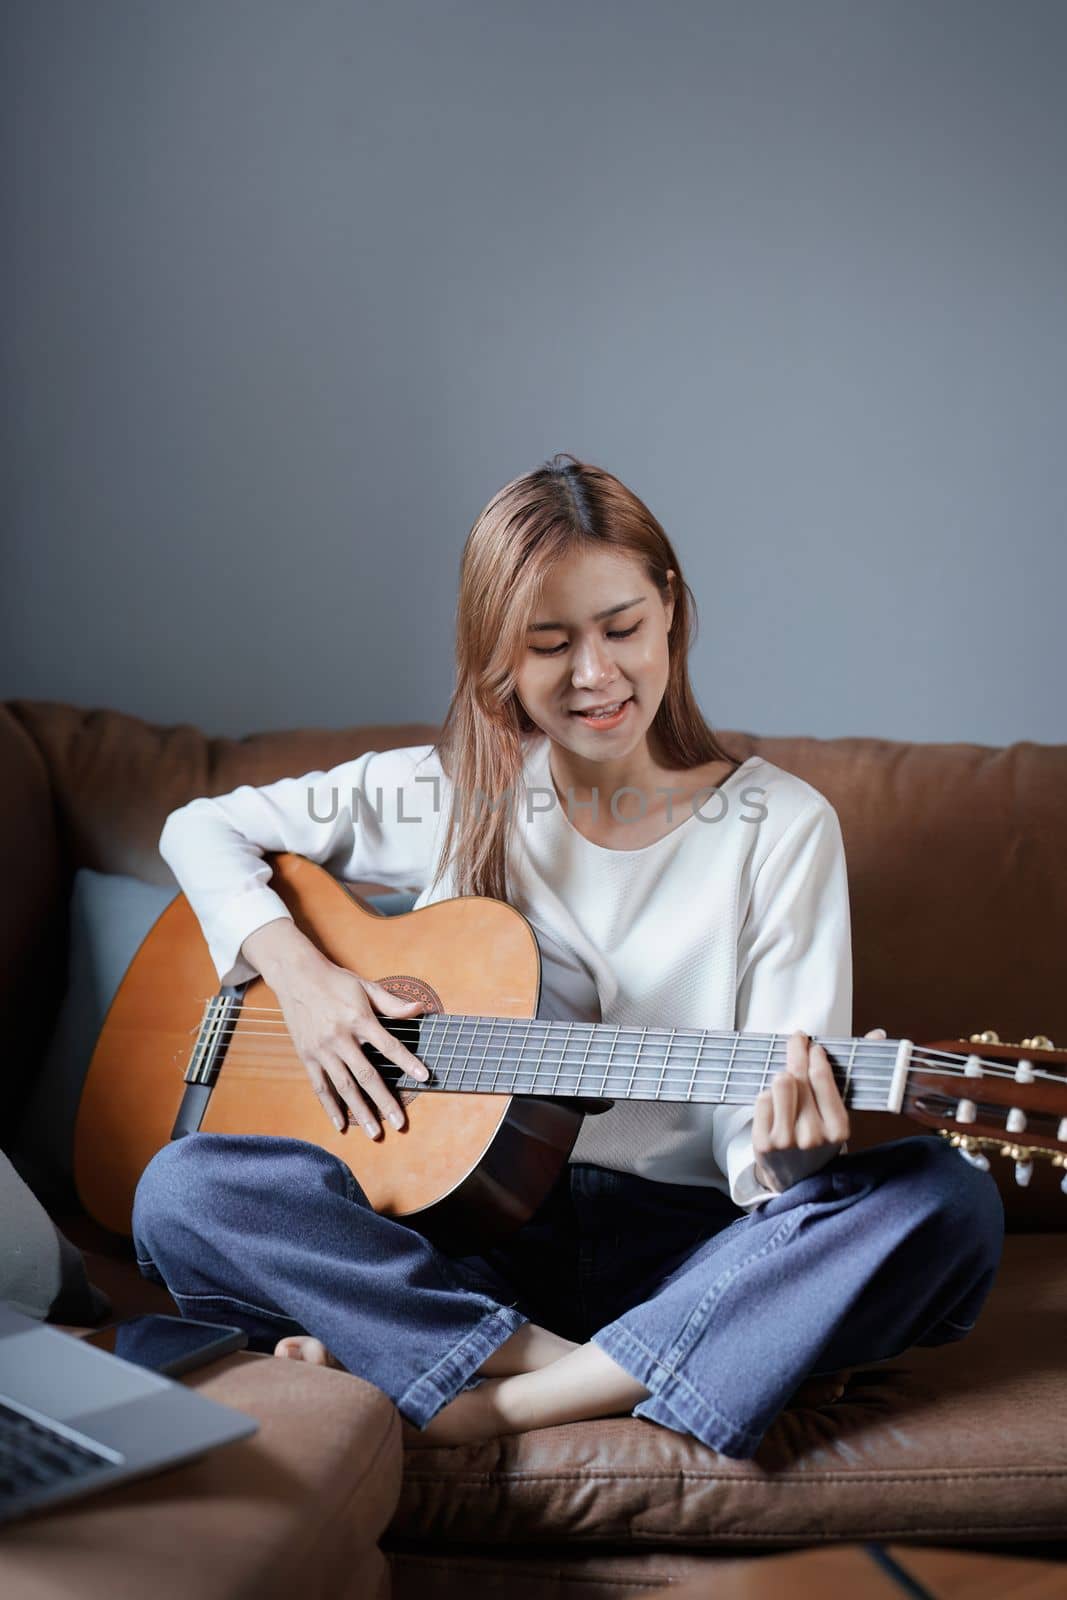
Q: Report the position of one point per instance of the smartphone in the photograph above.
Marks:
(170, 1345)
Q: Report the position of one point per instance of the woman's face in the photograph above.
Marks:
(597, 640)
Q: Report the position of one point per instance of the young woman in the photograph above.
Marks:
(694, 1264)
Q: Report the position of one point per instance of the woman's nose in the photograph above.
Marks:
(593, 667)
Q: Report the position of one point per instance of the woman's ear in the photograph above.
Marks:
(668, 598)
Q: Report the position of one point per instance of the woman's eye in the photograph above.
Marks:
(554, 649)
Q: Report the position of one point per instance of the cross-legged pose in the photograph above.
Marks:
(693, 1264)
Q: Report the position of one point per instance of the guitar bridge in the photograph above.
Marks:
(209, 1052)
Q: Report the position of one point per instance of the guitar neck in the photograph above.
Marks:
(501, 1055)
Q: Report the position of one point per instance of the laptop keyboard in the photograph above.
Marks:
(34, 1456)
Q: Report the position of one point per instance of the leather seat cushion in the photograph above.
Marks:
(962, 1441)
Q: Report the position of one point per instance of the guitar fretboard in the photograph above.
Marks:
(492, 1055)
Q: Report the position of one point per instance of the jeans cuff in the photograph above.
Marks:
(672, 1401)
(423, 1399)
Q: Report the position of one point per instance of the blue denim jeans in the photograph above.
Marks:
(719, 1313)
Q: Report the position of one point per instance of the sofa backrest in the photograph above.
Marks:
(957, 858)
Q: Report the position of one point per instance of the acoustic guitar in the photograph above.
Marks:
(491, 1130)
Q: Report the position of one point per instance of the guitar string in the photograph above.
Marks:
(605, 1069)
(647, 1087)
(682, 1035)
(680, 1044)
(921, 1056)
(860, 1098)
(677, 1039)
(858, 1101)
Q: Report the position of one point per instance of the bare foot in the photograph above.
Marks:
(472, 1416)
(468, 1419)
(298, 1347)
(584, 1383)
(528, 1348)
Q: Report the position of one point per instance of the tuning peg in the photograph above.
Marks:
(1024, 1171)
(977, 1159)
(1024, 1073)
(1063, 1183)
(989, 1037)
(1040, 1041)
(966, 1111)
(973, 1067)
(1061, 1131)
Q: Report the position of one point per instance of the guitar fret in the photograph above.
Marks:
(767, 1067)
(524, 1050)
(541, 1058)
(499, 1064)
(848, 1069)
(562, 1056)
(696, 1064)
(729, 1069)
(610, 1061)
(636, 1062)
(453, 1046)
(639, 1052)
(471, 1037)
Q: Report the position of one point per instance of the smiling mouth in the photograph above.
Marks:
(598, 713)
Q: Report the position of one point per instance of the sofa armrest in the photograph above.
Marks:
(297, 1509)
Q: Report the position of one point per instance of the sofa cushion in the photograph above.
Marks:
(962, 1441)
(296, 1510)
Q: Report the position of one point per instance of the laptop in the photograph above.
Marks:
(74, 1419)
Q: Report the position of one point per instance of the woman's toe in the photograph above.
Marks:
(299, 1347)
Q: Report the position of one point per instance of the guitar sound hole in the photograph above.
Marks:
(405, 987)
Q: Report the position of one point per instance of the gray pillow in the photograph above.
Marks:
(41, 1273)
(110, 917)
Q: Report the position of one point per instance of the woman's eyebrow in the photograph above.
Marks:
(545, 627)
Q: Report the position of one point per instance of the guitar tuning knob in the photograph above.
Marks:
(1016, 1121)
(966, 1111)
(988, 1037)
(977, 1159)
(1024, 1171)
(1061, 1131)
(1063, 1183)
(1040, 1041)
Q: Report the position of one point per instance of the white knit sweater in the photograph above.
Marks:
(738, 918)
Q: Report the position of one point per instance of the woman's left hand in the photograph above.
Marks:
(801, 1111)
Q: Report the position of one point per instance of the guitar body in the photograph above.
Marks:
(466, 1169)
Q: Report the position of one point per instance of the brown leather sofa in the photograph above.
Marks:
(958, 873)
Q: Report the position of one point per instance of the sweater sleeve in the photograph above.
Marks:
(372, 818)
(794, 970)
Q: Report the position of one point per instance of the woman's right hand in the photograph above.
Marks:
(330, 1013)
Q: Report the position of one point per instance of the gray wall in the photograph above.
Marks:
(297, 286)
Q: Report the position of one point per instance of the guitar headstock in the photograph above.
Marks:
(1011, 1099)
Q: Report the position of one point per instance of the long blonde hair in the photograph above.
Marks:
(527, 527)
